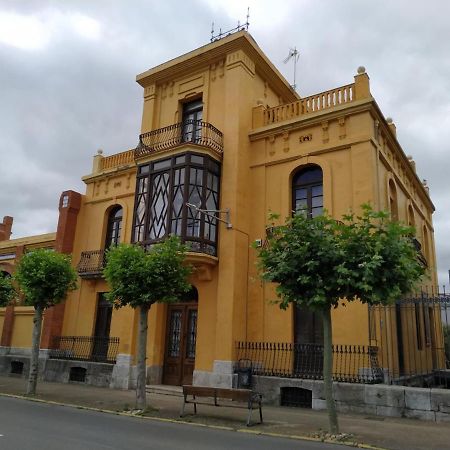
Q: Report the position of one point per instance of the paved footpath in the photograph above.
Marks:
(387, 433)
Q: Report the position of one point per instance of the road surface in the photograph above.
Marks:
(27, 425)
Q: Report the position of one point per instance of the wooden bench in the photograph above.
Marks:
(222, 397)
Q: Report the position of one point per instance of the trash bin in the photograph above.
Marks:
(244, 373)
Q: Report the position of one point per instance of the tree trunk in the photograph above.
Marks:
(141, 398)
(35, 344)
(327, 371)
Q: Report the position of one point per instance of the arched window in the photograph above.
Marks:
(307, 191)
(307, 198)
(425, 245)
(411, 218)
(114, 227)
(393, 205)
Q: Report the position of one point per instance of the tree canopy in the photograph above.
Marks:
(7, 291)
(44, 277)
(141, 278)
(319, 261)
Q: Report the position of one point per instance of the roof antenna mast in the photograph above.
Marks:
(294, 55)
(233, 30)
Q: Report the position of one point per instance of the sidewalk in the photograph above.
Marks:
(373, 431)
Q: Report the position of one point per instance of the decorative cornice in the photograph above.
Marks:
(383, 126)
(109, 173)
(213, 53)
(29, 240)
(307, 120)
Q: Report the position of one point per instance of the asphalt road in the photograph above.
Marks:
(26, 425)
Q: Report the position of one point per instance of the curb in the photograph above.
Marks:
(184, 422)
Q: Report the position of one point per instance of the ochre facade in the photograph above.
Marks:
(224, 116)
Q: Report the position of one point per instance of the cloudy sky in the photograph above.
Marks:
(67, 88)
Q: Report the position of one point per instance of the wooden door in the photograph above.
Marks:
(308, 337)
(181, 337)
(102, 327)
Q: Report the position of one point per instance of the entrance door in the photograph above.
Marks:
(181, 337)
(102, 327)
(308, 339)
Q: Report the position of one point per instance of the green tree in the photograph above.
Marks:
(317, 262)
(44, 277)
(139, 279)
(7, 291)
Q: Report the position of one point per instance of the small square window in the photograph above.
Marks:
(164, 164)
(144, 169)
(65, 201)
(196, 159)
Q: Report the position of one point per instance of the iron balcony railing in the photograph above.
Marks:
(91, 264)
(190, 131)
(85, 348)
(351, 363)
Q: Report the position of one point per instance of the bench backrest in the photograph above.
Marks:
(240, 395)
(201, 391)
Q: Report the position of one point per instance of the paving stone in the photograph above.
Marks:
(419, 414)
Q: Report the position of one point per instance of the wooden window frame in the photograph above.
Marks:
(150, 171)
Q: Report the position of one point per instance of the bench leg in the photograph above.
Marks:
(249, 416)
(182, 407)
(195, 405)
(260, 413)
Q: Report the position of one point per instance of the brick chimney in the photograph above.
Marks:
(69, 207)
(5, 228)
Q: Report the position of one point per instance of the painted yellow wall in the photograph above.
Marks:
(352, 143)
(23, 325)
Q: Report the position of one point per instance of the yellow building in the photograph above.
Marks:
(223, 131)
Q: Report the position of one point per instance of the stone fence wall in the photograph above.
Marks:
(372, 399)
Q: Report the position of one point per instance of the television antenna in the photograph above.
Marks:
(240, 27)
(293, 55)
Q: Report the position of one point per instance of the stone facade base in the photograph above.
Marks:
(222, 375)
(121, 375)
(374, 399)
(154, 374)
(58, 370)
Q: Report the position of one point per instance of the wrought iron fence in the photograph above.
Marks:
(190, 131)
(351, 363)
(85, 348)
(414, 339)
(91, 263)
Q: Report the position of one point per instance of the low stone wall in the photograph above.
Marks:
(58, 370)
(97, 374)
(374, 399)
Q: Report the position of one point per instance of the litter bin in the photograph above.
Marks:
(244, 373)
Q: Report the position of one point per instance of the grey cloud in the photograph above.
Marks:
(59, 104)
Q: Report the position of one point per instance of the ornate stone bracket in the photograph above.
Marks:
(204, 265)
